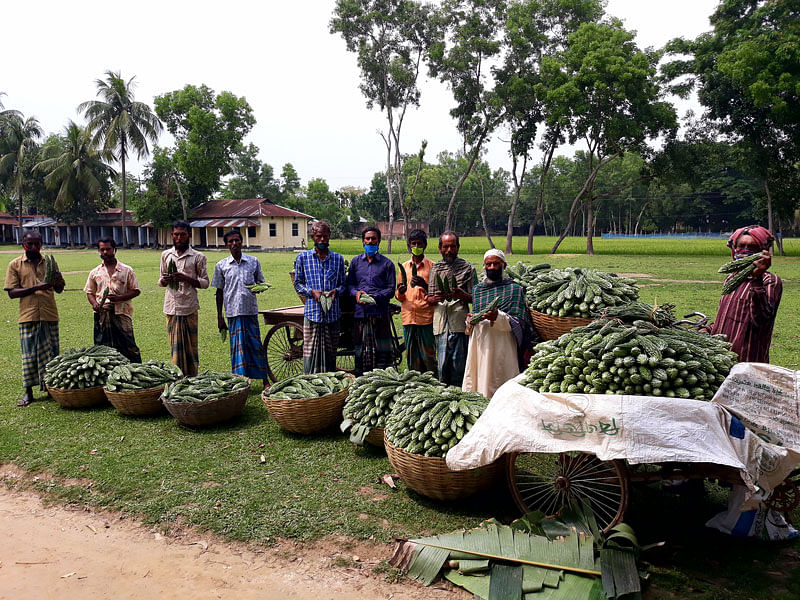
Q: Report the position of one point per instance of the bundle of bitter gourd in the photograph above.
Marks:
(579, 292)
(79, 368)
(313, 385)
(371, 398)
(610, 357)
(662, 315)
(204, 386)
(524, 273)
(51, 269)
(134, 377)
(742, 269)
(172, 268)
(429, 420)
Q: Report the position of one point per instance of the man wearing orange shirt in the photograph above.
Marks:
(417, 313)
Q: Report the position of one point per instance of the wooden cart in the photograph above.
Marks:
(283, 342)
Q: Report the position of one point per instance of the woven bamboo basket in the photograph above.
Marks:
(551, 327)
(375, 437)
(306, 415)
(139, 403)
(79, 398)
(210, 412)
(430, 476)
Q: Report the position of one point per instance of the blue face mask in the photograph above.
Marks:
(743, 253)
(371, 249)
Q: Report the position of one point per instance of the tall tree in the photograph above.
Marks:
(77, 171)
(390, 38)
(747, 75)
(252, 178)
(19, 137)
(123, 124)
(208, 129)
(613, 100)
(469, 42)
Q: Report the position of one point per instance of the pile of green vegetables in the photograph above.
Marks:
(204, 387)
(742, 268)
(372, 396)
(431, 419)
(662, 315)
(134, 377)
(310, 386)
(573, 292)
(610, 357)
(79, 368)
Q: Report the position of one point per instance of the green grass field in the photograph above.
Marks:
(310, 487)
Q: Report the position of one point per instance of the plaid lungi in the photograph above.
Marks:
(373, 343)
(182, 330)
(247, 352)
(451, 352)
(39, 341)
(116, 331)
(420, 348)
(320, 341)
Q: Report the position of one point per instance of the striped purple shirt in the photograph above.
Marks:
(747, 316)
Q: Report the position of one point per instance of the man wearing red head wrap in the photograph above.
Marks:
(747, 315)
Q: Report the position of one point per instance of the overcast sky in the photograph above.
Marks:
(300, 81)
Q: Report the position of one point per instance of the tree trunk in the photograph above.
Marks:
(389, 191)
(183, 201)
(449, 220)
(589, 224)
(639, 218)
(518, 181)
(85, 235)
(483, 214)
(539, 213)
(19, 196)
(769, 207)
(124, 198)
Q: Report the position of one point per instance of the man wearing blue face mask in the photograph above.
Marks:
(371, 281)
(319, 278)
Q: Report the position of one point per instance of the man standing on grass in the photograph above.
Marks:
(110, 288)
(319, 273)
(497, 342)
(452, 306)
(180, 300)
(38, 315)
(417, 314)
(231, 275)
(371, 282)
(747, 314)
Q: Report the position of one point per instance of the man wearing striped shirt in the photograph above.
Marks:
(747, 314)
(320, 272)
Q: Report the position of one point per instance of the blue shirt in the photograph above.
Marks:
(377, 278)
(231, 277)
(313, 273)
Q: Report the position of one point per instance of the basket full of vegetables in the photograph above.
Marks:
(207, 398)
(75, 378)
(135, 389)
(424, 424)
(308, 403)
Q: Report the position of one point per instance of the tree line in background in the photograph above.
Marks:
(538, 73)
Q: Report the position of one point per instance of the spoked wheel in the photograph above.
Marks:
(785, 497)
(283, 345)
(549, 482)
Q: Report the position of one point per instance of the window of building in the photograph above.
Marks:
(220, 232)
(273, 230)
(251, 231)
(295, 229)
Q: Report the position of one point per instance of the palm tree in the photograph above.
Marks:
(19, 137)
(121, 123)
(76, 169)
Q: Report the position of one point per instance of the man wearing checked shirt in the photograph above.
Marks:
(317, 273)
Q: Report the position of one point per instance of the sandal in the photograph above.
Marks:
(25, 400)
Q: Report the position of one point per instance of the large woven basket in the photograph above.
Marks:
(306, 415)
(551, 327)
(80, 398)
(430, 476)
(375, 437)
(140, 403)
(210, 412)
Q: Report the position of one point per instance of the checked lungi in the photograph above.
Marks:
(39, 341)
(182, 331)
(420, 348)
(320, 341)
(373, 343)
(248, 357)
(116, 331)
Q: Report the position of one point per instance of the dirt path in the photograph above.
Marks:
(52, 551)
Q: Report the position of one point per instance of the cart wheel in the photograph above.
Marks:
(784, 498)
(283, 346)
(548, 482)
